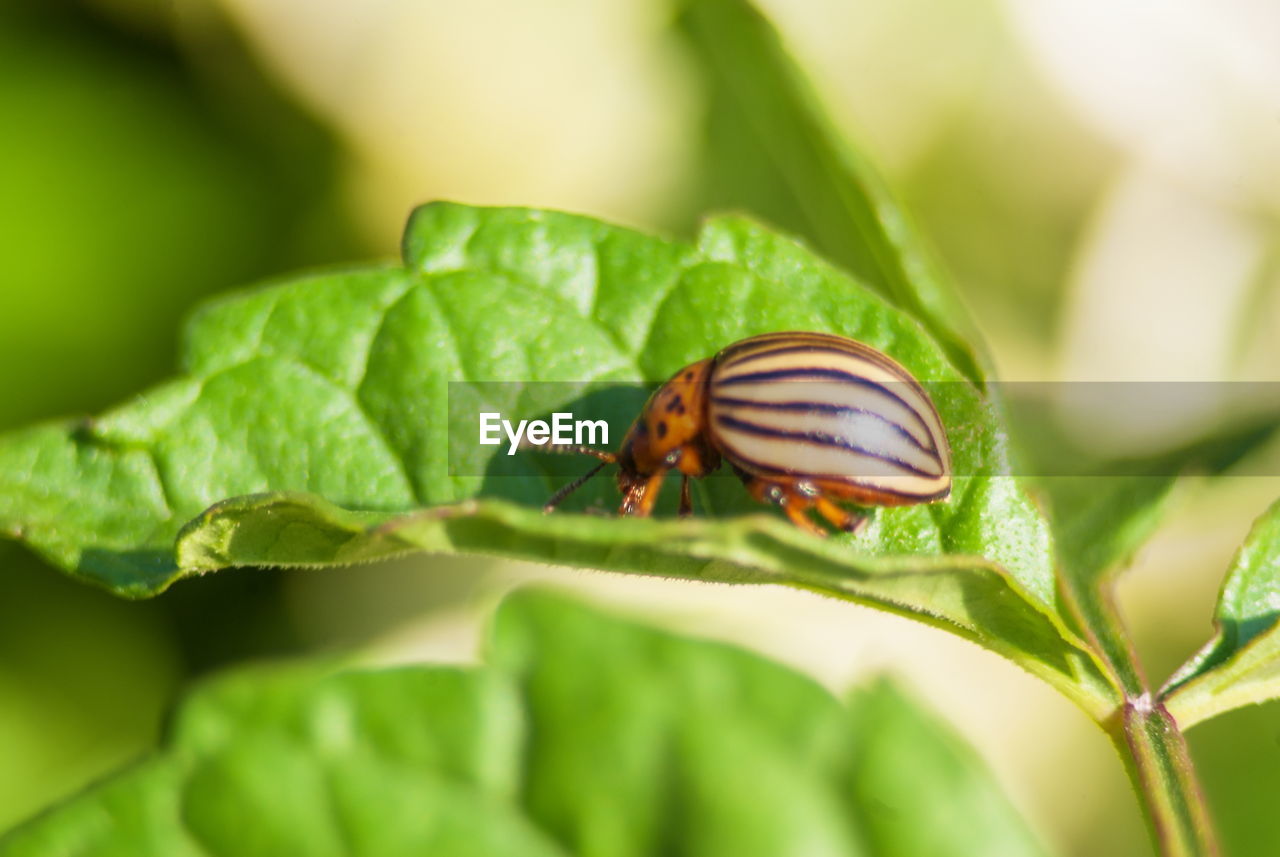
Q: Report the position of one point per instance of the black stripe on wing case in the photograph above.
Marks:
(824, 439)
(833, 409)
(869, 355)
(814, 373)
(750, 464)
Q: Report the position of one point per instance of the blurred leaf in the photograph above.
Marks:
(587, 735)
(403, 761)
(85, 681)
(679, 744)
(1241, 664)
(909, 765)
(1238, 760)
(1101, 521)
(128, 193)
(774, 151)
(967, 596)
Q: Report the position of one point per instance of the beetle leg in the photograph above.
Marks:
(639, 501)
(793, 503)
(842, 519)
(796, 512)
(762, 490)
(631, 498)
(686, 502)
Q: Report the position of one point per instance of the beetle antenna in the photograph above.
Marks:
(557, 497)
(571, 449)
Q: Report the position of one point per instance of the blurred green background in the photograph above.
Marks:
(1102, 180)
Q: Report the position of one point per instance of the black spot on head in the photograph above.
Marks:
(662, 429)
(642, 428)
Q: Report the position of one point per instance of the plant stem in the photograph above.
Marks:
(1155, 753)
(1145, 734)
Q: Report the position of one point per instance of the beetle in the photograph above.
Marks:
(804, 419)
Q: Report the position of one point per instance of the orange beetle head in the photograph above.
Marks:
(670, 432)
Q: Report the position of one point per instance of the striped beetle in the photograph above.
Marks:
(804, 419)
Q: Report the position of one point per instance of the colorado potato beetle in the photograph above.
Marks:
(804, 419)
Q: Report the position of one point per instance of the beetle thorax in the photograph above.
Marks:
(670, 433)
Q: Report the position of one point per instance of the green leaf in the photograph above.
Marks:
(338, 385)
(909, 765)
(1241, 664)
(585, 735)
(773, 150)
(967, 596)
